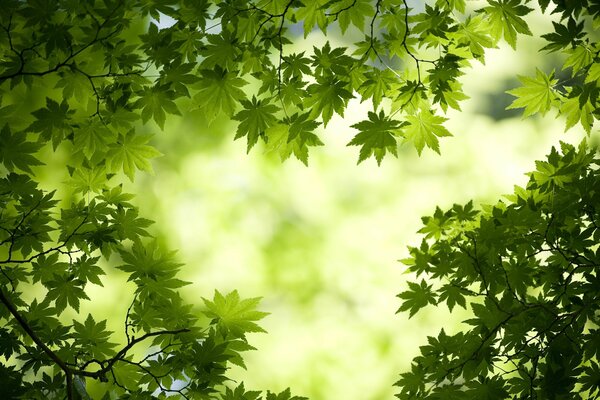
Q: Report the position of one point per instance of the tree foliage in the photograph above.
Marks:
(84, 77)
(527, 269)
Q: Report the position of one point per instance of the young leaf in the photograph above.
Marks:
(255, 118)
(505, 19)
(329, 94)
(536, 95)
(417, 297)
(131, 152)
(219, 90)
(377, 136)
(233, 315)
(423, 129)
(155, 102)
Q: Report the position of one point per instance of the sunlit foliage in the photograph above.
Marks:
(87, 77)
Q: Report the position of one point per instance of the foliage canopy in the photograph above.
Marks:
(527, 268)
(85, 76)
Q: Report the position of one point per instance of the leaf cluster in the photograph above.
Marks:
(58, 256)
(526, 269)
(234, 59)
(92, 78)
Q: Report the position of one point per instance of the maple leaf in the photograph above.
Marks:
(423, 129)
(131, 152)
(452, 295)
(577, 108)
(377, 136)
(75, 85)
(92, 137)
(295, 65)
(88, 271)
(312, 13)
(536, 95)
(580, 57)
(129, 225)
(148, 262)
(16, 151)
(505, 18)
(458, 5)
(93, 338)
(233, 315)
(474, 34)
(329, 94)
(240, 393)
(45, 268)
(86, 180)
(293, 136)
(327, 61)
(155, 102)
(593, 74)
(221, 51)
(564, 35)
(179, 77)
(219, 91)
(53, 120)
(417, 297)
(376, 85)
(355, 12)
(255, 118)
(64, 289)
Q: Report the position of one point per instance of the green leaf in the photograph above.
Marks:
(46, 267)
(75, 85)
(417, 297)
(353, 12)
(93, 137)
(65, 289)
(473, 33)
(87, 270)
(452, 295)
(579, 58)
(326, 96)
(293, 136)
(221, 52)
(377, 85)
(53, 122)
(504, 17)
(148, 261)
(128, 223)
(131, 152)
(219, 92)
(458, 5)
(88, 180)
(155, 102)
(536, 95)
(576, 112)
(423, 129)
(312, 13)
(593, 74)
(255, 118)
(93, 338)
(240, 393)
(564, 35)
(377, 136)
(233, 315)
(16, 152)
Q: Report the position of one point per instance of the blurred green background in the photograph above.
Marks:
(320, 243)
